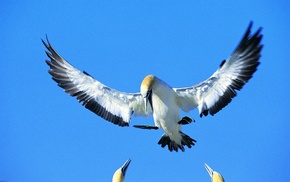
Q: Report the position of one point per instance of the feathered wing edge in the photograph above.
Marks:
(216, 92)
(114, 106)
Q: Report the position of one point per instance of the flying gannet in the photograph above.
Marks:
(119, 175)
(156, 97)
(215, 176)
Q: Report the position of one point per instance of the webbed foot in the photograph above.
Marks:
(172, 145)
(186, 120)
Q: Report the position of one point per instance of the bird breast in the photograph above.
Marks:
(164, 100)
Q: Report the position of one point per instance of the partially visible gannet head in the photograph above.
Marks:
(119, 175)
(146, 89)
(215, 176)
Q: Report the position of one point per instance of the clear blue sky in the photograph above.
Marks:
(46, 135)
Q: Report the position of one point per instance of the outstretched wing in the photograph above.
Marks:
(112, 105)
(216, 92)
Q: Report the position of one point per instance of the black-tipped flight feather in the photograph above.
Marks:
(213, 94)
(112, 105)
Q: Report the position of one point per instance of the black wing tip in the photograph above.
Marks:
(56, 67)
(96, 108)
(48, 62)
(47, 43)
(50, 51)
(122, 124)
(257, 34)
(251, 25)
(115, 120)
(249, 45)
(252, 41)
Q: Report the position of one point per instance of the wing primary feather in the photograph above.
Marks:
(213, 94)
(248, 58)
(82, 86)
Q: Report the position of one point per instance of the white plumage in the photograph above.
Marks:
(156, 97)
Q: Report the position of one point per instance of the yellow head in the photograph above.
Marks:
(146, 89)
(119, 175)
(147, 84)
(217, 177)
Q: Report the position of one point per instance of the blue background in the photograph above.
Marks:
(46, 135)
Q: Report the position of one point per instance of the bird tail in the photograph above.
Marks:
(172, 145)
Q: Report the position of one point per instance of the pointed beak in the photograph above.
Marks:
(125, 167)
(209, 170)
(148, 98)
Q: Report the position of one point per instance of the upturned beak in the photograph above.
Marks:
(125, 167)
(148, 98)
(209, 170)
